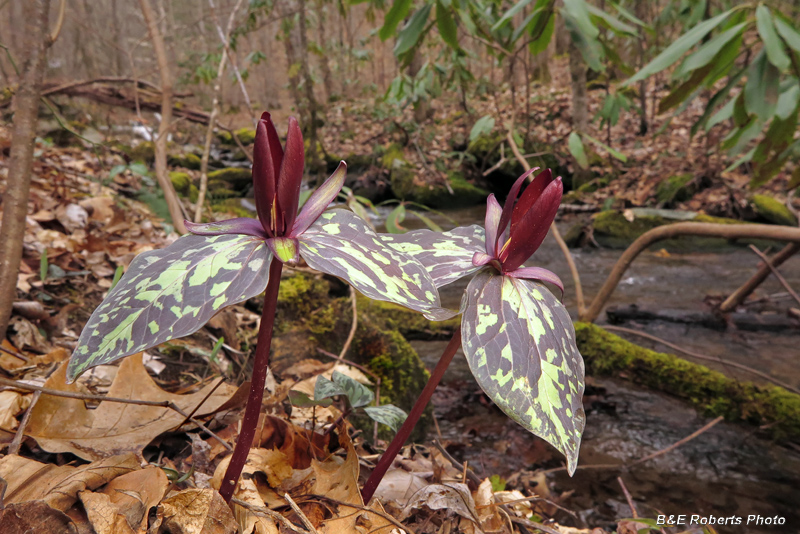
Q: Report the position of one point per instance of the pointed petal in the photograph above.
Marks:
(446, 255)
(286, 249)
(479, 259)
(266, 152)
(492, 222)
(340, 243)
(240, 225)
(170, 293)
(505, 218)
(291, 175)
(319, 200)
(520, 345)
(533, 227)
(540, 274)
(530, 195)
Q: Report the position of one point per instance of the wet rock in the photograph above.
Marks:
(236, 178)
(772, 210)
(246, 135)
(187, 161)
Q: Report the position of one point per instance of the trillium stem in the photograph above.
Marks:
(411, 421)
(253, 409)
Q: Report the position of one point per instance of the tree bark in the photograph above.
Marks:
(580, 106)
(36, 40)
(308, 82)
(421, 106)
(173, 204)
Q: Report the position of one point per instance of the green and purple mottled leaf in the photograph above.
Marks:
(301, 400)
(446, 255)
(520, 345)
(357, 394)
(170, 293)
(342, 244)
(388, 414)
(324, 388)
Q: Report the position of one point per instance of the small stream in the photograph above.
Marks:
(728, 470)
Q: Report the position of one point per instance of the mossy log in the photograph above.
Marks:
(712, 393)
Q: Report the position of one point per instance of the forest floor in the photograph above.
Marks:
(118, 468)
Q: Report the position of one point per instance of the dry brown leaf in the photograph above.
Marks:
(135, 493)
(454, 497)
(398, 486)
(58, 486)
(60, 424)
(489, 515)
(12, 403)
(35, 517)
(103, 515)
(196, 511)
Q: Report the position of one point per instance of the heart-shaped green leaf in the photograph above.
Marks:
(170, 293)
(520, 345)
(342, 244)
(446, 255)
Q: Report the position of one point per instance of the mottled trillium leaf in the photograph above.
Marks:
(342, 244)
(388, 414)
(446, 255)
(170, 293)
(520, 345)
(357, 393)
(325, 388)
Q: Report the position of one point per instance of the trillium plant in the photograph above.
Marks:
(517, 337)
(173, 292)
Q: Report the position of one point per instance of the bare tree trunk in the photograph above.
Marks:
(324, 64)
(173, 204)
(308, 82)
(201, 197)
(580, 106)
(116, 35)
(36, 40)
(641, 8)
(421, 106)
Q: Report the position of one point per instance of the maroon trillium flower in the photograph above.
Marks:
(508, 246)
(277, 177)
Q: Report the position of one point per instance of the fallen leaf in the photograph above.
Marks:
(26, 336)
(628, 526)
(135, 493)
(398, 486)
(35, 517)
(60, 424)
(454, 497)
(196, 511)
(12, 403)
(58, 486)
(103, 515)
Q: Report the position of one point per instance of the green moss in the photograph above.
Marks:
(702, 217)
(619, 230)
(194, 193)
(247, 136)
(180, 181)
(711, 392)
(594, 185)
(405, 185)
(393, 157)
(772, 210)
(232, 206)
(237, 177)
(675, 189)
(144, 152)
(187, 161)
(407, 322)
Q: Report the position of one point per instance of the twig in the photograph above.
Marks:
(677, 443)
(778, 275)
(17, 441)
(532, 524)
(353, 324)
(15, 354)
(573, 269)
(86, 396)
(300, 514)
(703, 356)
(628, 497)
(59, 23)
(458, 465)
(269, 513)
(384, 515)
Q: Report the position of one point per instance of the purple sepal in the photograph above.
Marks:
(532, 227)
(480, 259)
(291, 175)
(319, 200)
(240, 225)
(492, 223)
(510, 199)
(538, 273)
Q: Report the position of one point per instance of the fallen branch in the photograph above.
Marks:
(725, 231)
(778, 275)
(738, 296)
(726, 363)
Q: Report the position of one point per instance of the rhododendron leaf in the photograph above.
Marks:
(388, 414)
(342, 244)
(520, 345)
(446, 255)
(170, 293)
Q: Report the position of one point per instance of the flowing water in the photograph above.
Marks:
(727, 470)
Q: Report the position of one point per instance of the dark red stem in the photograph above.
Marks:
(416, 412)
(253, 409)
